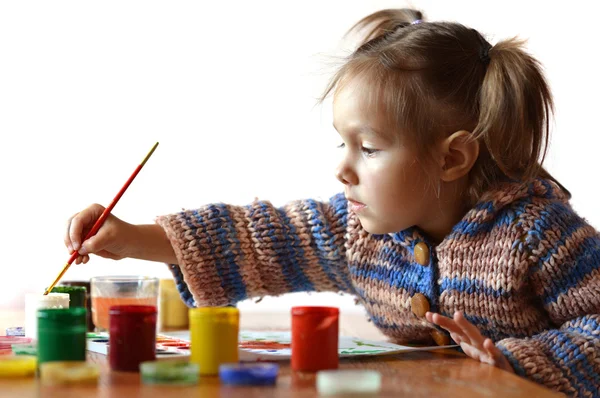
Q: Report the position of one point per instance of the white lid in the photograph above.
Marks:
(348, 381)
(49, 300)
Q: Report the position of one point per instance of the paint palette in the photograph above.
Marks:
(276, 346)
(166, 347)
(261, 346)
(6, 343)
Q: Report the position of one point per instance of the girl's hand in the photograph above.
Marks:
(470, 339)
(117, 239)
(109, 241)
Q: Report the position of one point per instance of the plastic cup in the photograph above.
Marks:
(109, 291)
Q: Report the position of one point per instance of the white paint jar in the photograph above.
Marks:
(35, 301)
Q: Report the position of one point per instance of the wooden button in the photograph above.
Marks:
(440, 337)
(422, 253)
(419, 304)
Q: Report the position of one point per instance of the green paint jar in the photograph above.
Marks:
(77, 295)
(61, 334)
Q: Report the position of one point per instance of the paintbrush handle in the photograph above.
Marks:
(102, 218)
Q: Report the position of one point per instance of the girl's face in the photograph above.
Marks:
(385, 183)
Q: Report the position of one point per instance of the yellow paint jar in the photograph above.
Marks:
(172, 313)
(214, 332)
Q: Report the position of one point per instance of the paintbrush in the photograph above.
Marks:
(101, 219)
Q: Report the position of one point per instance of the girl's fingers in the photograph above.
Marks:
(429, 316)
(494, 353)
(447, 324)
(67, 237)
(468, 329)
(456, 337)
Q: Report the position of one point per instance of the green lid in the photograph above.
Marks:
(169, 372)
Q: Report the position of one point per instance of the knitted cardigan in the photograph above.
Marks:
(521, 265)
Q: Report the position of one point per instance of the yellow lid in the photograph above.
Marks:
(69, 372)
(17, 366)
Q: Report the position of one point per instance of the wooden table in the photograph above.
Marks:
(444, 373)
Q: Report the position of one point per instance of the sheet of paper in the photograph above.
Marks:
(274, 345)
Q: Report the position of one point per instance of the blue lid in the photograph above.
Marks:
(248, 374)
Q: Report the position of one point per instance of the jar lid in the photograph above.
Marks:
(169, 372)
(248, 374)
(315, 310)
(20, 366)
(348, 381)
(68, 373)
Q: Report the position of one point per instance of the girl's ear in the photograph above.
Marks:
(458, 155)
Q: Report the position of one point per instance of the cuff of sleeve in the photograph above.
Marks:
(196, 276)
(182, 287)
(530, 359)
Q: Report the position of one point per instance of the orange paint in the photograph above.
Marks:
(101, 305)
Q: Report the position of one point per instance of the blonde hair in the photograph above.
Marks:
(431, 79)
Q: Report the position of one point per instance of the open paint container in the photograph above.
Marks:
(34, 302)
(109, 291)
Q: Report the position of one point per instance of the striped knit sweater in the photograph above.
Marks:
(521, 265)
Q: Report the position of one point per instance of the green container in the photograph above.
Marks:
(77, 295)
(61, 334)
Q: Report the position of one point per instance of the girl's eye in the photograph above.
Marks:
(342, 145)
(369, 151)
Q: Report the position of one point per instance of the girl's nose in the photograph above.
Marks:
(346, 175)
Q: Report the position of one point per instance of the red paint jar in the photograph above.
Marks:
(132, 336)
(315, 338)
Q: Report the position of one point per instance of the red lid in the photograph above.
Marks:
(327, 311)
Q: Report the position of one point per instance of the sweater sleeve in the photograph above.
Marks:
(565, 277)
(230, 253)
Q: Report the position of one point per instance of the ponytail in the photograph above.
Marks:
(515, 109)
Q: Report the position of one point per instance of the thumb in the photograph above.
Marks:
(93, 245)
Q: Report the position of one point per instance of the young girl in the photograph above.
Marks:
(448, 222)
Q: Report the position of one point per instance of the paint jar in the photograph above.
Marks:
(172, 313)
(76, 295)
(61, 334)
(88, 299)
(132, 337)
(214, 337)
(109, 291)
(314, 338)
(35, 301)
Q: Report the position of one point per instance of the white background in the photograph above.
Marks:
(229, 89)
